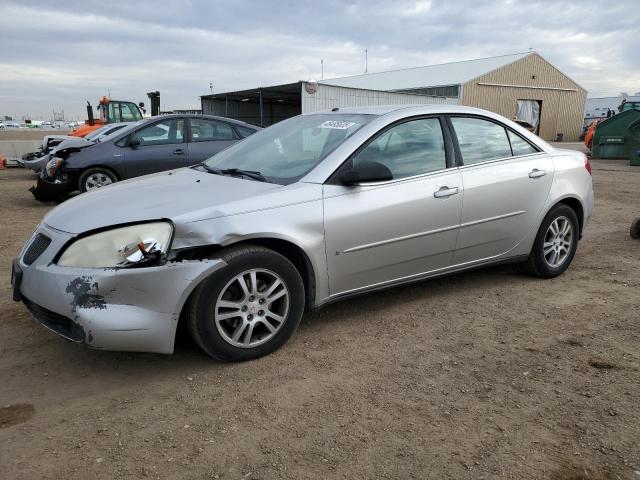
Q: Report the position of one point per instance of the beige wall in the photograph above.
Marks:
(562, 99)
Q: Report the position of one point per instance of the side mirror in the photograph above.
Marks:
(134, 141)
(366, 172)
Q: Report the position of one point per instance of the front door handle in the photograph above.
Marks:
(178, 151)
(535, 173)
(445, 192)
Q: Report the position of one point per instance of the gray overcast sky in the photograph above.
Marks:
(58, 54)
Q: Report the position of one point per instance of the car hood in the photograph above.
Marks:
(47, 138)
(184, 195)
(72, 142)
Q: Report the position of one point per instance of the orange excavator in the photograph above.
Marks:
(588, 137)
(110, 111)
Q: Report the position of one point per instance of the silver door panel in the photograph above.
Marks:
(384, 232)
(502, 204)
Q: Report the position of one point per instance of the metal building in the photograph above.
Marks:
(267, 105)
(599, 108)
(522, 85)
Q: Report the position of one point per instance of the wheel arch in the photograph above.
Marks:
(285, 247)
(576, 205)
(105, 167)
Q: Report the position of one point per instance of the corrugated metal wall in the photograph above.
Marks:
(329, 96)
(248, 111)
(562, 99)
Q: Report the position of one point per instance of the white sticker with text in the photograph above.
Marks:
(337, 125)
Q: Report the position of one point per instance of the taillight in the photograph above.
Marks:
(587, 164)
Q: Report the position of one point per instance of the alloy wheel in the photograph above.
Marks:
(97, 180)
(558, 241)
(251, 308)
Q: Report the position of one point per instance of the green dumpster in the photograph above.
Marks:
(613, 137)
(634, 143)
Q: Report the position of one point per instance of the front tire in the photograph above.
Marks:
(249, 308)
(555, 244)
(94, 178)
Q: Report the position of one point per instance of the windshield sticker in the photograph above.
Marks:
(337, 125)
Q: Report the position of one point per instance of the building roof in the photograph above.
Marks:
(454, 73)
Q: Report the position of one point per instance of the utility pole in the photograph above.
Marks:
(321, 69)
(211, 87)
(366, 62)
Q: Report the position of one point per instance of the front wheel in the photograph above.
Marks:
(94, 178)
(249, 308)
(555, 244)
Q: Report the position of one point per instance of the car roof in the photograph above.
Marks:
(209, 117)
(412, 109)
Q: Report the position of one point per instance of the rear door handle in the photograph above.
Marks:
(445, 192)
(535, 173)
(178, 151)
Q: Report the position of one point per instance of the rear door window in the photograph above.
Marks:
(480, 140)
(203, 130)
(520, 146)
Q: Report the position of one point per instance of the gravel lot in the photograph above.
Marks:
(488, 374)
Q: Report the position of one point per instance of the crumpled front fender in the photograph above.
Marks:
(135, 309)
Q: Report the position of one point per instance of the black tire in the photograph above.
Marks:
(82, 181)
(634, 231)
(200, 309)
(536, 264)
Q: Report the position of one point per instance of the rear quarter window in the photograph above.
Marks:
(244, 131)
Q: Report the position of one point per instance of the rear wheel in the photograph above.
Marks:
(249, 308)
(94, 178)
(555, 244)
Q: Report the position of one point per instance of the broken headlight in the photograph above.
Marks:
(53, 165)
(120, 247)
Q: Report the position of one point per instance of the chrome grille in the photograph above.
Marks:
(38, 245)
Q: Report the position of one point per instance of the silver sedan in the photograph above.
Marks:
(312, 210)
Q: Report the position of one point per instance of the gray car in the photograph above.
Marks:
(314, 209)
(147, 146)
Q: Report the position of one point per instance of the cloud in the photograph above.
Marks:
(56, 55)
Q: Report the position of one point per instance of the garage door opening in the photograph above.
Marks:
(528, 111)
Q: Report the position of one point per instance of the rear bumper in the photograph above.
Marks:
(588, 204)
(114, 309)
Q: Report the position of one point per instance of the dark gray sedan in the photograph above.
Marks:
(148, 146)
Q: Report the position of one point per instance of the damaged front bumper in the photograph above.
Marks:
(50, 190)
(134, 309)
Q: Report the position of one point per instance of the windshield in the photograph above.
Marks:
(96, 133)
(288, 150)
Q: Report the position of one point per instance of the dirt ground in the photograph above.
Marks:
(482, 375)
